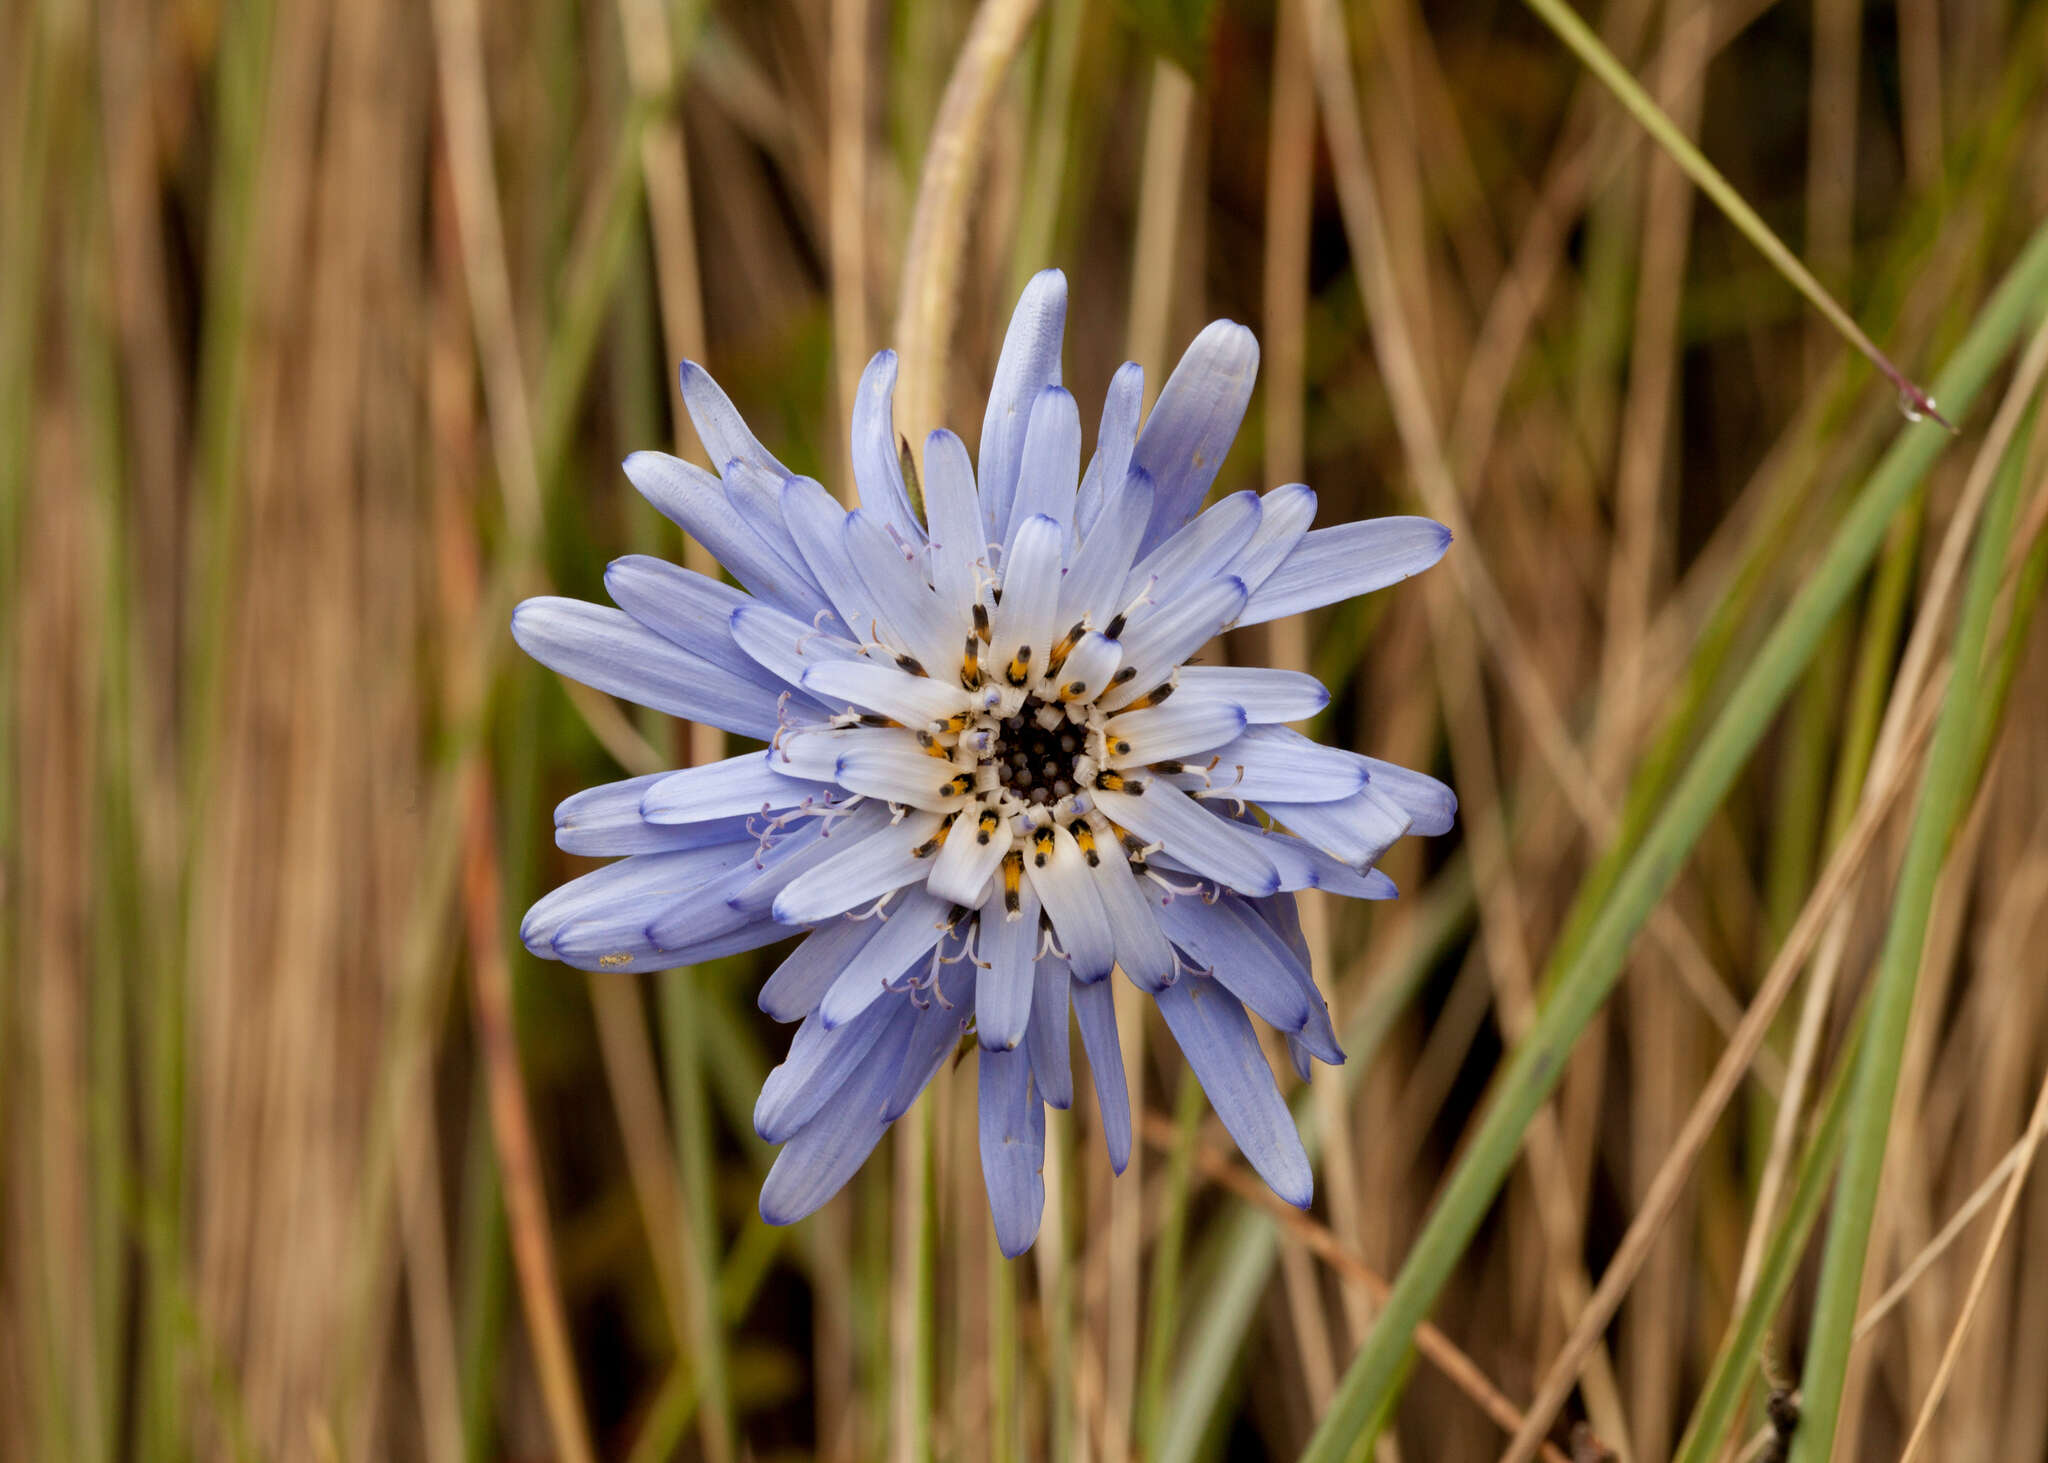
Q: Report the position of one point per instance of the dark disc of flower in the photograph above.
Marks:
(1034, 763)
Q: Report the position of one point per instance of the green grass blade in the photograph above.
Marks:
(1943, 796)
(1578, 989)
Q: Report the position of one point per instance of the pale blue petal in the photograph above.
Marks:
(1199, 838)
(684, 607)
(1318, 1039)
(1194, 422)
(1095, 1012)
(1051, 463)
(695, 502)
(819, 524)
(816, 1163)
(785, 647)
(807, 972)
(877, 465)
(804, 848)
(1030, 362)
(605, 821)
(1266, 694)
(1431, 807)
(632, 890)
(1060, 877)
(1046, 1040)
(1114, 440)
(891, 765)
(711, 913)
(931, 629)
(915, 701)
(1183, 728)
(1272, 763)
(1025, 622)
(959, 537)
(1008, 948)
(1198, 551)
(911, 926)
(748, 783)
(1356, 830)
(1012, 1148)
(1168, 631)
(1284, 516)
(940, 1027)
(1332, 564)
(611, 651)
(719, 425)
(1242, 952)
(858, 873)
(821, 1060)
(1141, 947)
(1217, 1038)
(1094, 586)
(757, 497)
(1304, 866)
(678, 927)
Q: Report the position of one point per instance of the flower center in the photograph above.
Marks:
(1036, 761)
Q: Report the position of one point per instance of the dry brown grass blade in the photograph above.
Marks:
(2037, 1128)
(929, 301)
(526, 1208)
(847, 166)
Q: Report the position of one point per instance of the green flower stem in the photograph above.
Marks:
(1580, 986)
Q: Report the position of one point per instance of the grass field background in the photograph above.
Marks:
(1706, 1057)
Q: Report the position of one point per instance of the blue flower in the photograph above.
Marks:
(991, 774)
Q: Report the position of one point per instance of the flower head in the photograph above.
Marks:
(991, 774)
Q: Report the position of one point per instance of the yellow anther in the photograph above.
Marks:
(1065, 648)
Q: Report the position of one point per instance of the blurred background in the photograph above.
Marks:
(323, 327)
